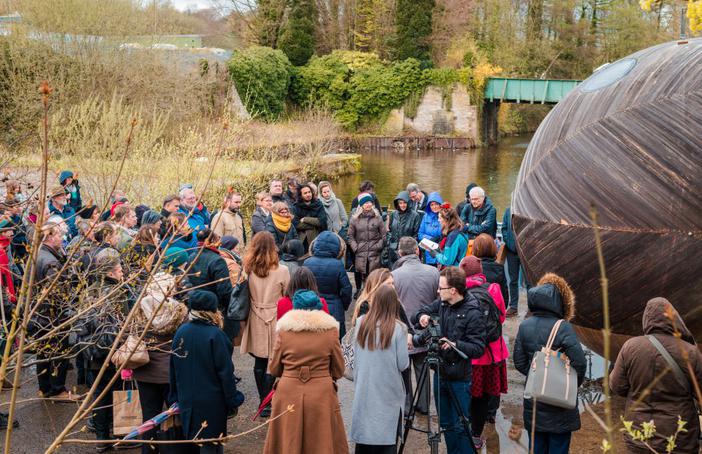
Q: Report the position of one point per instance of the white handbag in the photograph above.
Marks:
(551, 379)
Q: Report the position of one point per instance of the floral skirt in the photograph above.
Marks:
(490, 380)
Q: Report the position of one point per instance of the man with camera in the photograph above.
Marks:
(455, 319)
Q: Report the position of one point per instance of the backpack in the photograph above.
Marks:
(493, 325)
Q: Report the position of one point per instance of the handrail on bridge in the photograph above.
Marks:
(542, 91)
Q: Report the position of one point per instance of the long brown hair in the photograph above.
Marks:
(383, 314)
(484, 246)
(451, 219)
(261, 255)
(375, 279)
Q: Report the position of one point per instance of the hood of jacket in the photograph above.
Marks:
(552, 295)
(326, 245)
(298, 320)
(433, 197)
(404, 195)
(660, 317)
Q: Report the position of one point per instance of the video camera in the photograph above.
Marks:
(431, 337)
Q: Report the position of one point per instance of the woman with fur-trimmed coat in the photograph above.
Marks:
(366, 235)
(552, 299)
(307, 357)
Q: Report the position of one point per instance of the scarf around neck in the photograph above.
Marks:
(281, 223)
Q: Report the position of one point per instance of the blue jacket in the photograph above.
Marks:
(202, 379)
(508, 232)
(482, 220)
(454, 249)
(69, 215)
(332, 281)
(430, 228)
(187, 242)
(74, 199)
(199, 219)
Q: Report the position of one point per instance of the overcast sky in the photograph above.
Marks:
(191, 4)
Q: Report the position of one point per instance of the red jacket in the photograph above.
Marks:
(5, 274)
(285, 304)
(498, 348)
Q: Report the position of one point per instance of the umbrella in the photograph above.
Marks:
(153, 422)
(265, 402)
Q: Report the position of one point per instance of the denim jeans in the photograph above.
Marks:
(458, 440)
(513, 265)
(550, 443)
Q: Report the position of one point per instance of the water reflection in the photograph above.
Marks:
(449, 172)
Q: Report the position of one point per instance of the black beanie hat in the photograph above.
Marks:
(202, 300)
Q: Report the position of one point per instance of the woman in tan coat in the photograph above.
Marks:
(267, 282)
(307, 358)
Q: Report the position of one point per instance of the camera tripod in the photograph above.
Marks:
(433, 362)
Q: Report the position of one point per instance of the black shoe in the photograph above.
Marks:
(102, 447)
(126, 445)
(4, 417)
(266, 412)
(357, 294)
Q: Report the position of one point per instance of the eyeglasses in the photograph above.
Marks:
(445, 288)
(284, 211)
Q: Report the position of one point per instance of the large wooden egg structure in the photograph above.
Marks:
(628, 140)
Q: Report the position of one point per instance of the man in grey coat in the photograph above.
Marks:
(417, 285)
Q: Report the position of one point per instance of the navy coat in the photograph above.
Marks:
(202, 379)
(210, 268)
(332, 281)
(547, 306)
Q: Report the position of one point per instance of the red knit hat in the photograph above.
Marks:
(471, 265)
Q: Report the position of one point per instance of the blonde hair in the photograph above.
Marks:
(375, 279)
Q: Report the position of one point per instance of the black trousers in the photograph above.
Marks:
(375, 449)
(102, 412)
(51, 375)
(479, 407)
(152, 397)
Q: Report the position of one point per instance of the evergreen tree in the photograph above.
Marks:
(269, 19)
(413, 22)
(297, 38)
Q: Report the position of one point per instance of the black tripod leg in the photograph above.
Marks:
(465, 421)
(409, 419)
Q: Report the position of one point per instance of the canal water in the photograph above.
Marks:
(495, 168)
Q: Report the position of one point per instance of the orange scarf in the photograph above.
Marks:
(282, 223)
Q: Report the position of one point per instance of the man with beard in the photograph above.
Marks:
(310, 218)
(228, 222)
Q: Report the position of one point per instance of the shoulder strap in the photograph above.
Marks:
(677, 371)
(552, 336)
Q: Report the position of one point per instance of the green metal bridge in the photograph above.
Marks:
(532, 91)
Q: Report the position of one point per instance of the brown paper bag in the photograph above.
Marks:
(126, 411)
(501, 255)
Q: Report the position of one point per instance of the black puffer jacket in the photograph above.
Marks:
(462, 323)
(403, 223)
(548, 306)
(495, 274)
(314, 212)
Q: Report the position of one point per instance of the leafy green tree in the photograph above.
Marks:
(262, 77)
(297, 38)
(413, 21)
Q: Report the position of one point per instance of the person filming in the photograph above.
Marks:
(456, 317)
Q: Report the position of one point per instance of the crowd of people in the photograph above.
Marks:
(105, 280)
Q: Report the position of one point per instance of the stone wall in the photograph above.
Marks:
(436, 118)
